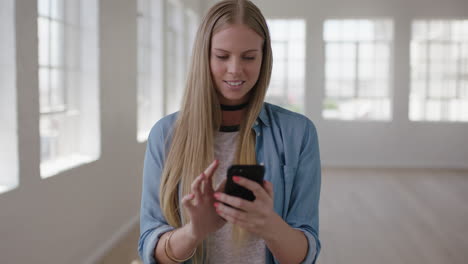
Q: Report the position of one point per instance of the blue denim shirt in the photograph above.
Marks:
(287, 144)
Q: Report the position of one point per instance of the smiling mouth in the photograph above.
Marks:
(235, 83)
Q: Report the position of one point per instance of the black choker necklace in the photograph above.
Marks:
(229, 128)
(233, 107)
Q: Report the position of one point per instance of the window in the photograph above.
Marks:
(8, 134)
(439, 71)
(287, 80)
(150, 64)
(68, 90)
(162, 65)
(175, 55)
(357, 69)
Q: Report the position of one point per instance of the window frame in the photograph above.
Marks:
(385, 98)
(429, 82)
(64, 142)
(283, 87)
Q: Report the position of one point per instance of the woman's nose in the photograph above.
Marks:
(234, 66)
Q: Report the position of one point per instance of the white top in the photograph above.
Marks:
(221, 247)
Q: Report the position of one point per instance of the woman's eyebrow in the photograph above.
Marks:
(250, 50)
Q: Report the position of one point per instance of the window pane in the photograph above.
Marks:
(348, 51)
(49, 128)
(57, 9)
(288, 47)
(44, 89)
(332, 51)
(366, 30)
(176, 50)
(43, 7)
(43, 41)
(438, 65)
(347, 70)
(150, 60)
(357, 69)
(349, 30)
(67, 45)
(366, 71)
(57, 98)
(57, 41)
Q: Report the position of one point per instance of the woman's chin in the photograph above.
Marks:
(233, 100)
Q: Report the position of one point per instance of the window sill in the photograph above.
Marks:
(56, 166)
(7, 188)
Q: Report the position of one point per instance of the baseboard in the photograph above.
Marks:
(113, 241)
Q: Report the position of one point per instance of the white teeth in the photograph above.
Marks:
(235, 83)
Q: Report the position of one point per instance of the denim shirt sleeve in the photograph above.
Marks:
(152, 221)
(303, 213)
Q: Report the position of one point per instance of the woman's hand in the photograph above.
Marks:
(257, 217)
(199, 204)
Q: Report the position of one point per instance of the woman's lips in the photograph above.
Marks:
(234, 85)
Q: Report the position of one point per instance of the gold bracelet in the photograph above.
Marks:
(167, 250)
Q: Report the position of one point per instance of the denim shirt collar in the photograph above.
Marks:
(263, 116)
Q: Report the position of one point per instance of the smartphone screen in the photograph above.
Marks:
(252, 172)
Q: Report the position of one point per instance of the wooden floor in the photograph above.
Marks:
(394, 216)
(382, 216)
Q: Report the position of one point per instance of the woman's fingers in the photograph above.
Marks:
(224, 211)
(187, 200)
(211, 169)
(235, 202)
(203, 184)
(256, 188)
(208, 184)
(208, 175)
(196, 186)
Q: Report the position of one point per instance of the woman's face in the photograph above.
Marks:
(235, 62)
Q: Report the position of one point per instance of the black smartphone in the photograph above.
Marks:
(251, 172)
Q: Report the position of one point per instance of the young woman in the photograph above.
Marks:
(224, 121)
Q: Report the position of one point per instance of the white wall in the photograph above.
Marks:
(399, 143)
(70, 217)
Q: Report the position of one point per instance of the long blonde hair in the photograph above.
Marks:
(191, 149)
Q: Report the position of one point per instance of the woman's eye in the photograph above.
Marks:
(249, 58)
(222, 57)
